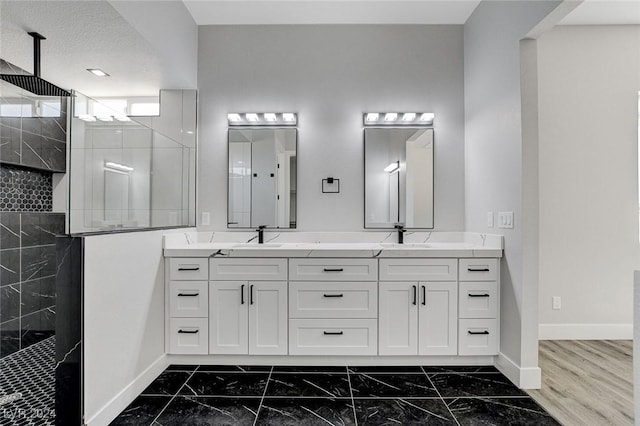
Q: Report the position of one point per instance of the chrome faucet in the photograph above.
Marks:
(261, 233)
(401, 231)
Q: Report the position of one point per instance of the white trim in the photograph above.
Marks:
(118, 403)
(523, 377)
(585, 331)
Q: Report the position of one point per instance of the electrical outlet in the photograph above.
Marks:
(556, 302)
(505, 220)
(205, 218)
(490, 220)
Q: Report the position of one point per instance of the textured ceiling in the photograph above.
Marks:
(81, 35)
(248, 12)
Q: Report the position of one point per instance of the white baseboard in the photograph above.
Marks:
(118, 403)
(585, 331)
(523, 377)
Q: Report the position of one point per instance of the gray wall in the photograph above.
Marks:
(494, 154)
(330, 75)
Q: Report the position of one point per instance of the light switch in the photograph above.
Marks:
(204, 218)
(556, 302)
(505, 220)
(490, 220)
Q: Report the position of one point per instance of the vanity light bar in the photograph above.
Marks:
(393, 167)
(262, 119)
(398, 118)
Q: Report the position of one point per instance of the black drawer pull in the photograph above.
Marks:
(188, 294)
(479, 295)
(478, 332)
(242, 294)
(334, 295)
(415, 295)
(193, 268)
(478, 269)
(333, 333)
(333, 269)
(188, 331)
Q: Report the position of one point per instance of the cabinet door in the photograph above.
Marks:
(268, 318)
(228, 317)
(398, 318)
(438, 318)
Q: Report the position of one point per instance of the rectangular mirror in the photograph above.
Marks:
(398, 177)
(262, 177)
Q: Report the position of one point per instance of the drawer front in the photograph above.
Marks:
(196, 268)
(257, 269)
(333, 337)
(189, 299)
(479, 299)
(312, 299)
(189, 336)
(333, 270)
(418, 269)
(478, 337)
(478, 269)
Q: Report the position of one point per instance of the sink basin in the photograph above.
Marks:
(256, 245)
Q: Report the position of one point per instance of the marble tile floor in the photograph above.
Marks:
(265, 395)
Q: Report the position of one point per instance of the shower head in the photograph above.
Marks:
(33, 83)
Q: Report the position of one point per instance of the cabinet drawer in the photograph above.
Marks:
(189, 299)
(196, 268)
(478, 337)
(418, 269)
(188, 336)
(312, 299)
(479, 299)
(478, 269)
(333, 337)
(333, 270)
(248, 269)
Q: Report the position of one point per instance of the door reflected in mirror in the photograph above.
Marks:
(398, 167)
(262, 178)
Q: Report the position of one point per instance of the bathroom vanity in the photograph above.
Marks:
(355, 297)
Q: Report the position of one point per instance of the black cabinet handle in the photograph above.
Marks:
(479, 295)
(188, 331)
(478, 269)
(334, 295)
(478, 332)
(424, 295)
(333, 269)
(333, 333)
(188, 294)
(415, 294)
(251, 294)
(242, 294)
(193, 268)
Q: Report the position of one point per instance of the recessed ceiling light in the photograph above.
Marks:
(390, 116)
(372, 116)
(251, 117)
(409, 116)
(98, 72)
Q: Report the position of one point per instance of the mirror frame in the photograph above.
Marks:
(364, 175)
(274, 127)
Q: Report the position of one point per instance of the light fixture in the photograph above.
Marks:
(393, 167)
(105, 118)
(269, 116)
(98, 72)
(251, 117)
(288, 116)
(372, 116)
(122, 118)
(234, 118)
(87, 117)
(408, 116)
(117, 166)
(390, 116)
(427, 116)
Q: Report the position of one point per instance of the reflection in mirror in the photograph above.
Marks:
(262, 178)
(398, 168)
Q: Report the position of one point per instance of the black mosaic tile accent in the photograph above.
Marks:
(231, 395)
(27, 382)
(23, 190)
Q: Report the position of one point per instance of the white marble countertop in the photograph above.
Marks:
(332, 244)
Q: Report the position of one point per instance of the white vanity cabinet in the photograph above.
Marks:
(418, 307)
(248, 316)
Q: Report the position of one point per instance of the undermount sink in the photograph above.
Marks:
(256, 245)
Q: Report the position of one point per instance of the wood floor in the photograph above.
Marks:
(587, 382)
